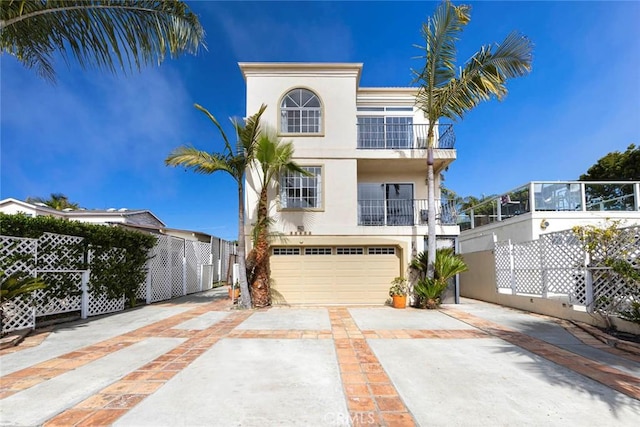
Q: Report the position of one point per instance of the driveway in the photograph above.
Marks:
(196, 361)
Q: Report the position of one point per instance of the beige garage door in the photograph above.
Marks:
(334, 275)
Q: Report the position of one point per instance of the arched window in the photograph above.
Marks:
(300, 112)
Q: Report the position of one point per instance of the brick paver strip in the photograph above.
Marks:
(372, 398)
(29, 377)
(607, 375)
(115, 400)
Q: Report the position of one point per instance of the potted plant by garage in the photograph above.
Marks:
(398, 292)
(234, 292)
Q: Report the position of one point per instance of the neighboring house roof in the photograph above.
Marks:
(185, 234)
(101, 216)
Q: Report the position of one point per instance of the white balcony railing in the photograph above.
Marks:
(404, 212)
(403, 136)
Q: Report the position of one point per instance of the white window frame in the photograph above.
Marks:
(300, 117)
(295, 189)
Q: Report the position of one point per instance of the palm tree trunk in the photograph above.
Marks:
(260, 287)
(431, 213)
(245, 298)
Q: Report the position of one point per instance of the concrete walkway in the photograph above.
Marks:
(195, 361)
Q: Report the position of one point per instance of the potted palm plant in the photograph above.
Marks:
(430, 289)
(398, 292)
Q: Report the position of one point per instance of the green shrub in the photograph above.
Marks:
(117, 267)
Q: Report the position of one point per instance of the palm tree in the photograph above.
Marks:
(446, 266)
(15, 285)
(57, 201)
(102, 33)
(442, 93)
(272, 156)
(232, 161)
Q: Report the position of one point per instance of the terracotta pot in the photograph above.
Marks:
(399, 301)
(234, 293)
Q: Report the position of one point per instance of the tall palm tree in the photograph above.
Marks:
(57, 201)
(272, 157)
(445, 93)
(102, 33)
(232, 161)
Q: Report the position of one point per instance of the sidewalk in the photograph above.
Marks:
(195, 361)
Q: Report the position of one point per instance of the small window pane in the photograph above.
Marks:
(350, 251)
(286, 251)
(301, 112)
(317, 251)
(382, 251)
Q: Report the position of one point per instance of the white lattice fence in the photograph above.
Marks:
(176, 254)
(70, 299)
(98, 302)
(527, 268)
(160, 270)
(203, 252)
(18, 254)
(610, 288)
(504, 268)
(60, 252)
(192, 266)
(556, 264)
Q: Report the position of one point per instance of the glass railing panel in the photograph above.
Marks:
(557, 196)
(610, 197)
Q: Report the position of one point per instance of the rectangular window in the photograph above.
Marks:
(350, 251)
(382, 251)
(286, 251)
(317, 251)
(385, 132)
(301, 192)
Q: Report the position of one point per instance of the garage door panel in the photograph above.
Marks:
(334, 279)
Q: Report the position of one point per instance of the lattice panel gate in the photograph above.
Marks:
(99, 303)
(176, 254)
(196, 254)
(504, 268)
(563, 261)
(19, 312)
(203, 253)
(527, 268)
(160, 270)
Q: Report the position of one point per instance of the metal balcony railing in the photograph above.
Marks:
(403, 136)
(404, 212)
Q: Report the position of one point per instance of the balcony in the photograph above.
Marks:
(404, 212)
(578, 197)
(403, 136)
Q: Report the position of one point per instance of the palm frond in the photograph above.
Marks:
(201, 161)
(248, 133)
(217, 124)
(440, 34)
(100, 33)
(485, 76)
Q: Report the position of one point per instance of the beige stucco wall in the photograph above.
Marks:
(480, 283)
(335, 150)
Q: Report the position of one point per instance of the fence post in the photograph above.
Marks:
(84, 301)
(542, 244)
(512, 276)
(148, 286)
(184, 275)
(589, 290)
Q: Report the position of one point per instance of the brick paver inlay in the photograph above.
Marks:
(371, 397)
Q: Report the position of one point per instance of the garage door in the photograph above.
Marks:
(334, 275)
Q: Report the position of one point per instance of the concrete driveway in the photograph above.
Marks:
(195, 361)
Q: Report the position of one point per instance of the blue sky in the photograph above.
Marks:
(102, 139)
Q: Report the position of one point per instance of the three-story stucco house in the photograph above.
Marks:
(358, 221)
